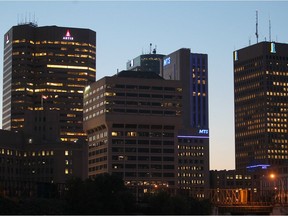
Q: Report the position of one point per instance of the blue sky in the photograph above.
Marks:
(126, 28)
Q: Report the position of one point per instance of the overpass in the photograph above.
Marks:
(235, 201)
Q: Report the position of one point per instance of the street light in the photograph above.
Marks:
(282, 190)
(267, 189)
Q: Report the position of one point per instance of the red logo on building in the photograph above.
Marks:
(68, 36)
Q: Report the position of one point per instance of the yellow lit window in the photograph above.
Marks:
(114, 133)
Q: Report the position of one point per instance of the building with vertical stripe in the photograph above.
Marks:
(191, 69)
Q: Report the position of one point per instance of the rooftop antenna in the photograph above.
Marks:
(154, 50)
(269, 29)
(256, 33)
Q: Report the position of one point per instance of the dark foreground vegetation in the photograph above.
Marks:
(106, 194)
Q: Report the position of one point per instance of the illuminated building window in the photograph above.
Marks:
(113, 133)
(132, 133)
(66, 153)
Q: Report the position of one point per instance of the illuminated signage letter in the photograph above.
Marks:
(203, 131)
(166, 61)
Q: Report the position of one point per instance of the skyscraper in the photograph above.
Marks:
(45, 72)
(261, 90)
(191, 69)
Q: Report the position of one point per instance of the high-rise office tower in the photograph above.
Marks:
(261, 100)
(45, 72)
(191, 69)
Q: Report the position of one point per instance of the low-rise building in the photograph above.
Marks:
(25, 166)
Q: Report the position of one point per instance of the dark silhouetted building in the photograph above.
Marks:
(261, 99)
(33, 169)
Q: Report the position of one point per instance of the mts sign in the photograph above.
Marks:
(203, 131)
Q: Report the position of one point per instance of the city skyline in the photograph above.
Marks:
(213, 28)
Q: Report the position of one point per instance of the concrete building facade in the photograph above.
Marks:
(132, 120)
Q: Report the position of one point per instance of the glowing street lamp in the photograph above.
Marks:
(273, 176)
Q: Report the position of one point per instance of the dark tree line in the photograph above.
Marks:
(104, 195)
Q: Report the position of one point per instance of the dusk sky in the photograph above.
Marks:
(126, 28)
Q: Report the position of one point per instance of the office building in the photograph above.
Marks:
(231, 179)
(191, 69)
(45, 71)
(32, 169)
(132, 120)
(260, 94)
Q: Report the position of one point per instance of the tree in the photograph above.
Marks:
(105, 194)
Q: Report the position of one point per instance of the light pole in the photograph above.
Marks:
(282, 189)
(267, 188)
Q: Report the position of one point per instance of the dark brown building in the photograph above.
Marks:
(45, 70)
(132, 120)
(261, 99)
(27, 167)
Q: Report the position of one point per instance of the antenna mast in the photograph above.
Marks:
(256, 33)
(269, 29)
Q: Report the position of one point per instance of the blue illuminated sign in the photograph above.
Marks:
(262, 166)
(166, 61)
(203, 131)
(194, 137)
